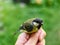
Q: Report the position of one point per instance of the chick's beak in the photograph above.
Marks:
(36, 24)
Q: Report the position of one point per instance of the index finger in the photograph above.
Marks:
(22, 38)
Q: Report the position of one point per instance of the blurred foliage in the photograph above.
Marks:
(12, 16)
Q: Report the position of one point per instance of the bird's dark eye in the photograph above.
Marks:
(29, 28)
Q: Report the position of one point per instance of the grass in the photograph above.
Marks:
(12, 16)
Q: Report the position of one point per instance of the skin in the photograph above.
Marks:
(33, 39)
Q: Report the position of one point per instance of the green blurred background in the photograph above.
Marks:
(12, 16)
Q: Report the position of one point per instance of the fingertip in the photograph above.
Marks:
(41, 42)
(42, 34)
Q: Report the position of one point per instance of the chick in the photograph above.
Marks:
(31, 25)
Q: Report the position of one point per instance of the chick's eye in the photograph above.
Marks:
(29, 28)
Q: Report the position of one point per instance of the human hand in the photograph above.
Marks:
(33, 39)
